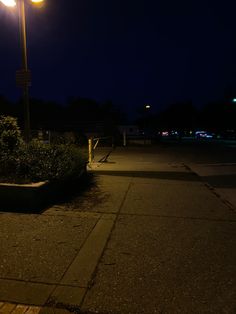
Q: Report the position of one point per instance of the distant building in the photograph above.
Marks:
(129, 130)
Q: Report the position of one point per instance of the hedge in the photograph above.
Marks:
(36, 161)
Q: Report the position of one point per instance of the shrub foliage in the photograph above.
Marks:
(10, 135)
(36, 161)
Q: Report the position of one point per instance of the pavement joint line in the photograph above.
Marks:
(165, 216)
(28, 281)
(82, 245)
(91, 250)
(85, 264)
(178, 217)
(107, 240)
(223, 200)
(212, 189)
(100, 213)
(40, 282)
(73, 260)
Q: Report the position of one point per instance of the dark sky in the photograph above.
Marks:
(132, 52)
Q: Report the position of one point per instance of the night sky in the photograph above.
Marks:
(130, 52)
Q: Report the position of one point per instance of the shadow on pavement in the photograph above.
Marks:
(163, 175)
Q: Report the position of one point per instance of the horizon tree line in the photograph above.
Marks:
(213, 116)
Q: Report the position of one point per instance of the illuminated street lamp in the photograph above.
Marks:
(9, 3)
(147, 108)
(23, 76)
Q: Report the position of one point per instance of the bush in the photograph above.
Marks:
(36, 161)
(40, 162)
(10, 135)
(10, 142)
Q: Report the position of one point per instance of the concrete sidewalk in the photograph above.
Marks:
(149, 237)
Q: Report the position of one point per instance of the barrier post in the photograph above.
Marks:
(90, 149)
(124, 138)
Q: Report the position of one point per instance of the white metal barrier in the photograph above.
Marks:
(93, 144)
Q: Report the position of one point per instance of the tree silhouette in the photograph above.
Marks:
(178, 116)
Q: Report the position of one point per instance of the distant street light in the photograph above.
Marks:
(147, 107)
(23, 76)
(234, 100)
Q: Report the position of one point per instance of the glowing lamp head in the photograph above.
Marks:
(37, 1)
(147, 106)
(234, 100)
(9, 3)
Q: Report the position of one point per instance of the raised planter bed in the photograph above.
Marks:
(35, 196)
(22, 195)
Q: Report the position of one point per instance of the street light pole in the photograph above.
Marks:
(146, 109)
(23, 78)
(25, 87)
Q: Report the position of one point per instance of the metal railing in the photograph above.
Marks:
(106, 142)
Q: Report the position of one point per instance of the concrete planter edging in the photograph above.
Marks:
(33, 195)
